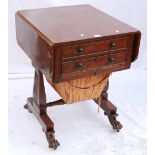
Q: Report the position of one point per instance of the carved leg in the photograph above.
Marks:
(37, 105)
(109, 109)
(115, 124)
(53, 143)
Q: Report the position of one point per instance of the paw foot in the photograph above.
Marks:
(53, 143)
(115, 124)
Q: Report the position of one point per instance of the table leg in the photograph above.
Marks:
(109, 109)
(37, 106)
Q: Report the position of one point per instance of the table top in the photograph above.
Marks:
(73, 23)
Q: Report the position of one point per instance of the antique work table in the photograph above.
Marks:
(72, 42)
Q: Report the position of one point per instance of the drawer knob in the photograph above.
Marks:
(111, 60)
(80, 50)
(112, 45)
(79, 65)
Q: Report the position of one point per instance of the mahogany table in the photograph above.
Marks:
(72, 42)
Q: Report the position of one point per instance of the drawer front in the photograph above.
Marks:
(105, 60)
(94, 47)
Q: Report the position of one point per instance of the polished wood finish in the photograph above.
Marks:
(54, 103)
(71, 42)
(50, 34)
(103, 61)
(109, 109)
(68, 24)
(95, 47)
(37, 105)
(35, 45)
(96, 71)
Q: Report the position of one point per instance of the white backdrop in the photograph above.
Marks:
(127, 91)
(133, 12)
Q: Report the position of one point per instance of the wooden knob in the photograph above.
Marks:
(79, 65)
(111, 60)
(80, 50)
(112, 45)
